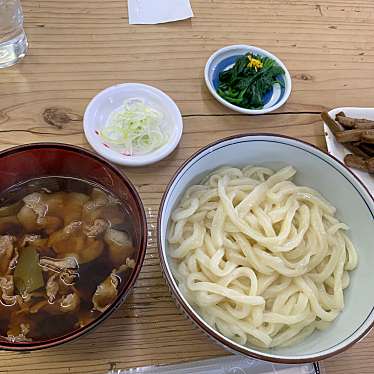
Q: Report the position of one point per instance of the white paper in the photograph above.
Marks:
(158, 11)
(224, 365)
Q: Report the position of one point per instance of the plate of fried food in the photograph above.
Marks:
(350, 138)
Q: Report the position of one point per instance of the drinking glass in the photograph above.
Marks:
(13, 41)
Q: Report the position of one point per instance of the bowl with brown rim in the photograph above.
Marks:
(318, 170)
(41, 162)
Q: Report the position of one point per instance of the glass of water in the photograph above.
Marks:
(13, 41)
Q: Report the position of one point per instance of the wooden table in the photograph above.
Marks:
(79, 47)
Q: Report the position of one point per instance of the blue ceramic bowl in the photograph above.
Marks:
(225, 58)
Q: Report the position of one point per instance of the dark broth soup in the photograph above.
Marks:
(66, 249)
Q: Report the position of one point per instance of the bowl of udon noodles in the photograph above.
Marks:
(266, 244)
(72, 243)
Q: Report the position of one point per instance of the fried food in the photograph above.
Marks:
(357, 135)
(354, 123)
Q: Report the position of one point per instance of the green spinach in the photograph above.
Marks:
(249, 80)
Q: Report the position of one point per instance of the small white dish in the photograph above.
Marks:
(112, 98)
(338, 150)
(225, 58)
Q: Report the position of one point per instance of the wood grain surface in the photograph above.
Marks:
(78, 47)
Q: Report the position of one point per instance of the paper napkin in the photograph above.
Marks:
(158, 11)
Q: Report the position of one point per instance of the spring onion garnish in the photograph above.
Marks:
(136, 128)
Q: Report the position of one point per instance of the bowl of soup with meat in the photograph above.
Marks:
(72, 243)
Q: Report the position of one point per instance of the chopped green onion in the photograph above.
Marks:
(136, 128)
(28, 275)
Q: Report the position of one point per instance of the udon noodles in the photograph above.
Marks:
(262, 260)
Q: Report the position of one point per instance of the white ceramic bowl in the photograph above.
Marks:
(355, 206)
(110, 99)
(225, 58)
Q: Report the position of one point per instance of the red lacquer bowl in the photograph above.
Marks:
(26, 162)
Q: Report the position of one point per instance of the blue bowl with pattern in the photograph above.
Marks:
(225, 58)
